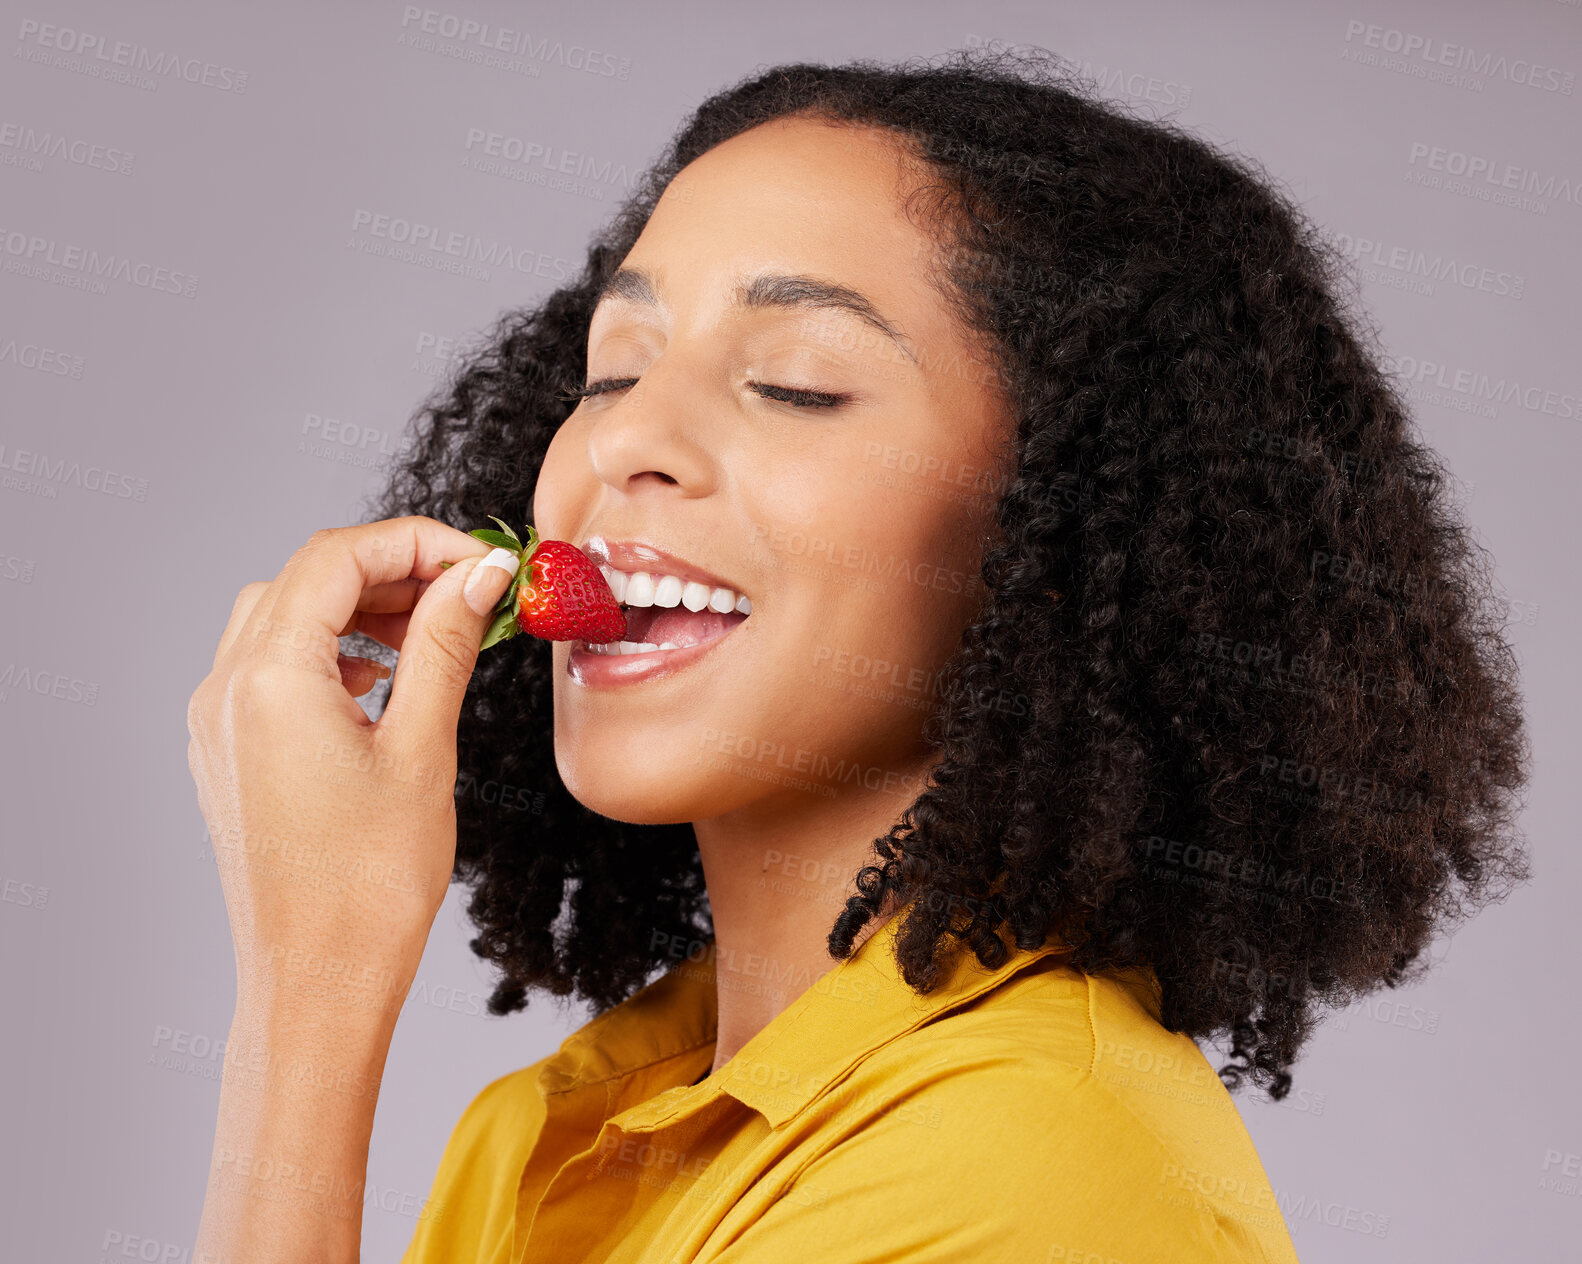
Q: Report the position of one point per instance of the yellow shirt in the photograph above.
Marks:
(1030, 1113)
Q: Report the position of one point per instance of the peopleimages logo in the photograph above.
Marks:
(1431, 267)
(47, 684)
(1479, 168)
(488, 44)
(29, 355)
(101, 58)
(495, 152)
(1473, 390)
(78, 266)
(1427, 49)
(42, 476)
(413, 241)
(23, 146)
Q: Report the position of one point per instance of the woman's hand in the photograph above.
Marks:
(335, 836)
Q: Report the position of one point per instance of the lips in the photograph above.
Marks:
(678, 613)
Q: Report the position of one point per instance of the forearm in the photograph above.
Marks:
(290, 1158)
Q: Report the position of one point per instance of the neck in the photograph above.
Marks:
(779, 872)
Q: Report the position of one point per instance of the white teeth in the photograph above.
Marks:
(652, 588)
(640, 589)
(669, 645)
(617, 648)
(667, 592)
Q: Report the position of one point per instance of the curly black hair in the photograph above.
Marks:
(1268, 738)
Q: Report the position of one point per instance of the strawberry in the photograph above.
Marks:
(559, 594)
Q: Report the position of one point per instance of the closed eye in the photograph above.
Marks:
(784, 394)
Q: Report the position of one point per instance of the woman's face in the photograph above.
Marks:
(855, 531)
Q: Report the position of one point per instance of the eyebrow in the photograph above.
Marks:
(767, 290)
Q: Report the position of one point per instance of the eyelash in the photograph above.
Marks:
(783, 394)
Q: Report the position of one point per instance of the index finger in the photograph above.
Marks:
(319, 588)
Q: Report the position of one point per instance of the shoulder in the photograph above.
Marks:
(983, 1151)
(1056, 1036)
(507, 1096)
(996, 1130)
(500, 1112)
(472, 1200)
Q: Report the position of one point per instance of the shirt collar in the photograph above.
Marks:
(855, 1008)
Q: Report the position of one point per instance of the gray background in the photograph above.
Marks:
(190, 443)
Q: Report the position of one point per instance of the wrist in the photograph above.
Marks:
(333, 1059)
(340, 989)
(285, 1015)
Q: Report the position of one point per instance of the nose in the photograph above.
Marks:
(651, 435)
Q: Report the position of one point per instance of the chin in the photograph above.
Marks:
(646, 756)
(638, 793)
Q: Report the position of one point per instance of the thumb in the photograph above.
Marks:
(440, 648)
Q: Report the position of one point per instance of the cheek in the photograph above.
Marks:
(884, 572)
(921, 535)
(554, 491)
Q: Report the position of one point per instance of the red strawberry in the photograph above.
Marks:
(565, 597)
(559, 594)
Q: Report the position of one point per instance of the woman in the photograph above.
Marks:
(1096, 664)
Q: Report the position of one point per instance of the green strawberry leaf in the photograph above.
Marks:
(497, 539)
(508, 602)
(502, 629)
(515, 543)
(510, 593)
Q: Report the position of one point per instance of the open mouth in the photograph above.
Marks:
(665, 613)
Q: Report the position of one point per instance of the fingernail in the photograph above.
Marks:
(489, 580)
